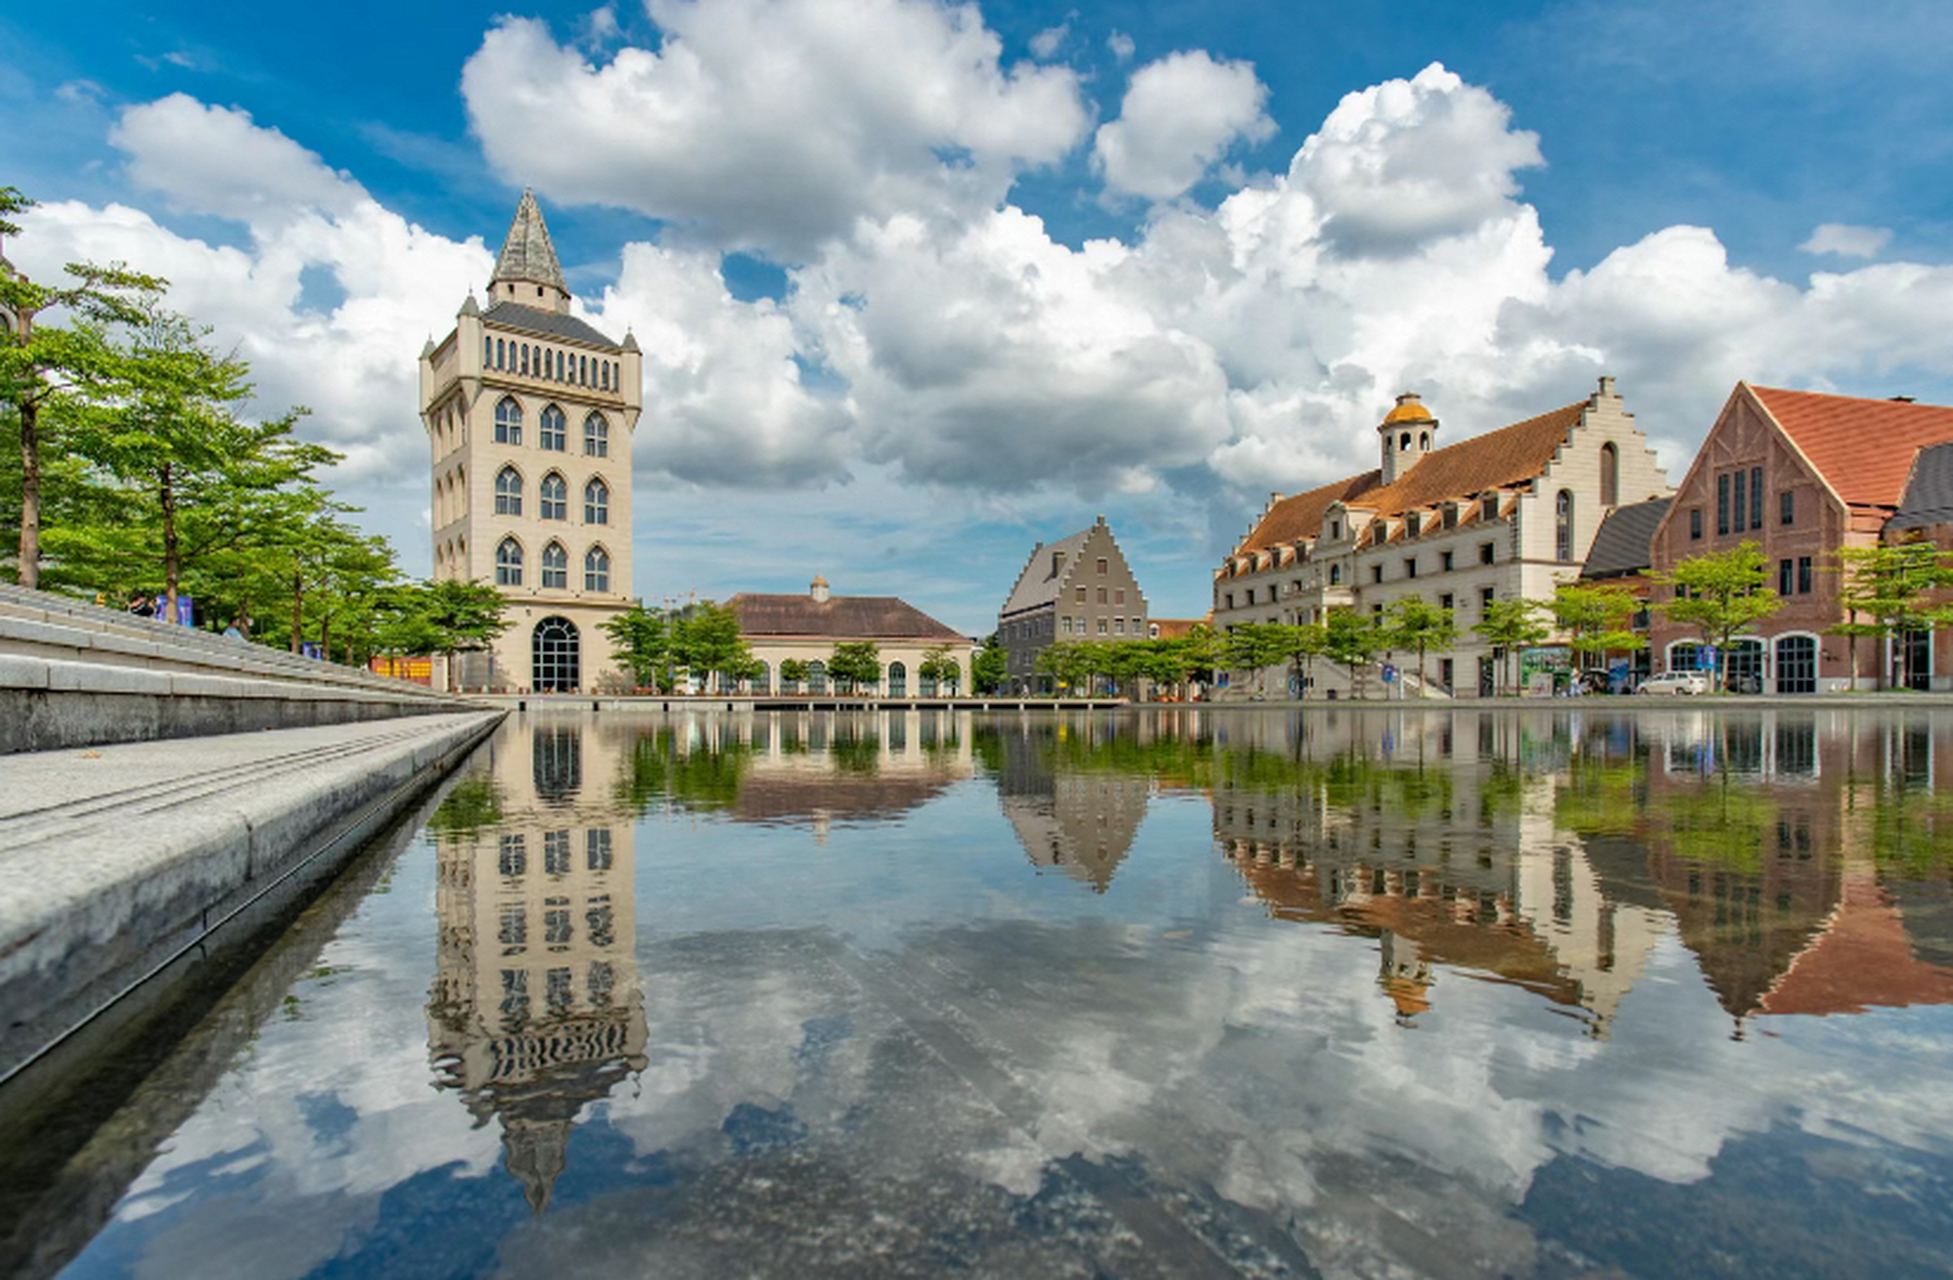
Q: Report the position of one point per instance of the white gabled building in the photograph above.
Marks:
(1502, 515)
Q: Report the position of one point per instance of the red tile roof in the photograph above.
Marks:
(839, 618)
(1862, 448)
(1511, 455)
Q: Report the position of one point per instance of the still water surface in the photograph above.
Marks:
(1160, 994)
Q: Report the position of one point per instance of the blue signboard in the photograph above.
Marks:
(1705, 658)
(1389, 674)
(311, 650)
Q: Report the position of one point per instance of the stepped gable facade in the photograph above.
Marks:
(1503, 515)
(529, 412)
(1804, 475)
(807, 628)
(1077, 588)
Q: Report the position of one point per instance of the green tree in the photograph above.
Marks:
(1721, 594)
(1069, 663)
(642, 639)
(990, 668)
(204, 482)
(1512, 625)
(706, 640)
(42, 365)
(1597, 619)
(793, 671)
(855, 664)
(1255, 647)
(1353, 641)
(939, 664)
(1415, 623)
(1303, 645)
(450, 617)
(1884, 590)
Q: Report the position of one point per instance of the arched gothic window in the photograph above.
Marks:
(596, 502)
(555, 566)
(596, 436)
(596, 570)
(501, 354)
(583, 371)
(553, 497)
(603, 377)
(1610, 474)
(508, 421)
(1563, 526)
(508, 492)
(508, 563)
(554, 430)
(487, 352)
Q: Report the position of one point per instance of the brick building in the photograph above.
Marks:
(1077, 588)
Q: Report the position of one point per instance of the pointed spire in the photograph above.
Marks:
(470, 307)
(630, 340)
(527, 255)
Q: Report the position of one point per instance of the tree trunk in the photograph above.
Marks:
(325, 635)
(298, 607)
(172, 562)
(30, 492)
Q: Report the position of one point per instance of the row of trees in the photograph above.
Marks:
(701, 642)
(129, 468)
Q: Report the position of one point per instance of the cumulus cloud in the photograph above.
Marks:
(1046, 43)
(1846, 240)
(1121, 45)
(1180, 115)
(774, 124)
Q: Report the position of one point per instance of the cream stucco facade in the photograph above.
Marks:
(529, 413)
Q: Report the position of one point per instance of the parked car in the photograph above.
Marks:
(1675, 682)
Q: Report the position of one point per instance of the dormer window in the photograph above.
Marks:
(1413, 524)
(1488, 507)
(1335, 530)
(1451, 515)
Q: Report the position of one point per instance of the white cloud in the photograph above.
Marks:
(215, 160)
(1121, 45)
(774, 124)
(1046, 43)
(1180, 115)
(1847, 241)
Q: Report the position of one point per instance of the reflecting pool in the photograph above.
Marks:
(1163, 993)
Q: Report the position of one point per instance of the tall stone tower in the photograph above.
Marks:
(529, 412)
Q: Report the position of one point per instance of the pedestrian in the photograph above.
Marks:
(240, 628)
(140, 605)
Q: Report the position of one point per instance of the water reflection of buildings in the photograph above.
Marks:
(535, 1010)
(1077, 819)
(1782, 843)
(1381, 825)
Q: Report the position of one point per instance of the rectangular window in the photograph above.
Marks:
(1410, 567)
(1741, 505)
(1101, 626)
(1803, 575)
(556, 853)
(1335, 530)
(1485, 552)
(596, 848)
(1787, 507)
(1251, 595)
(1722, 503)
(1101, 566)
(1446, 670)
(1695, 524)
(1445, 561)
(1230, 598)
(1488, 507)
(1783, 577)
(1376, 573)
(1756, 497)
(1079, 595)
(1118, 626)
(1446, 601)
(1119, 596)
(1485, 597)
(1065, 626)
(514, 858)
(1413, 524)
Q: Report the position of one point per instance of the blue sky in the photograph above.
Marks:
(920, 286)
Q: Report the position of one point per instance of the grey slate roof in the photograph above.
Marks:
(549, 324)
(1928, 497)
(1621, 544)
(1038, 584)
(527, 254)
(838, 617)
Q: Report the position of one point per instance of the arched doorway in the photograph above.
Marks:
(1797, 664)
(555, 653)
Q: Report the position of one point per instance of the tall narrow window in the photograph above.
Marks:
(554, 430)
(524, 369)
(1756, 497)
(487, 352)
(508, 563)
(1783, 577)
(508, 492)
(1610, 474)
(596, 502)
(596, 436)
(1803, 575)
(1695, 524)
(1563, 525)
(555, 566)
(553, 497)
(501, 354)
(1722, 503)
(508, 421)
(1787, 507)
(1739, 510)
(596, 570)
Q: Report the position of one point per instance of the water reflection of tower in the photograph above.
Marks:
(1079, 820)
(535, 1009)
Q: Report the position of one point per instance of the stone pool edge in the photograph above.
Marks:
(101, 891)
